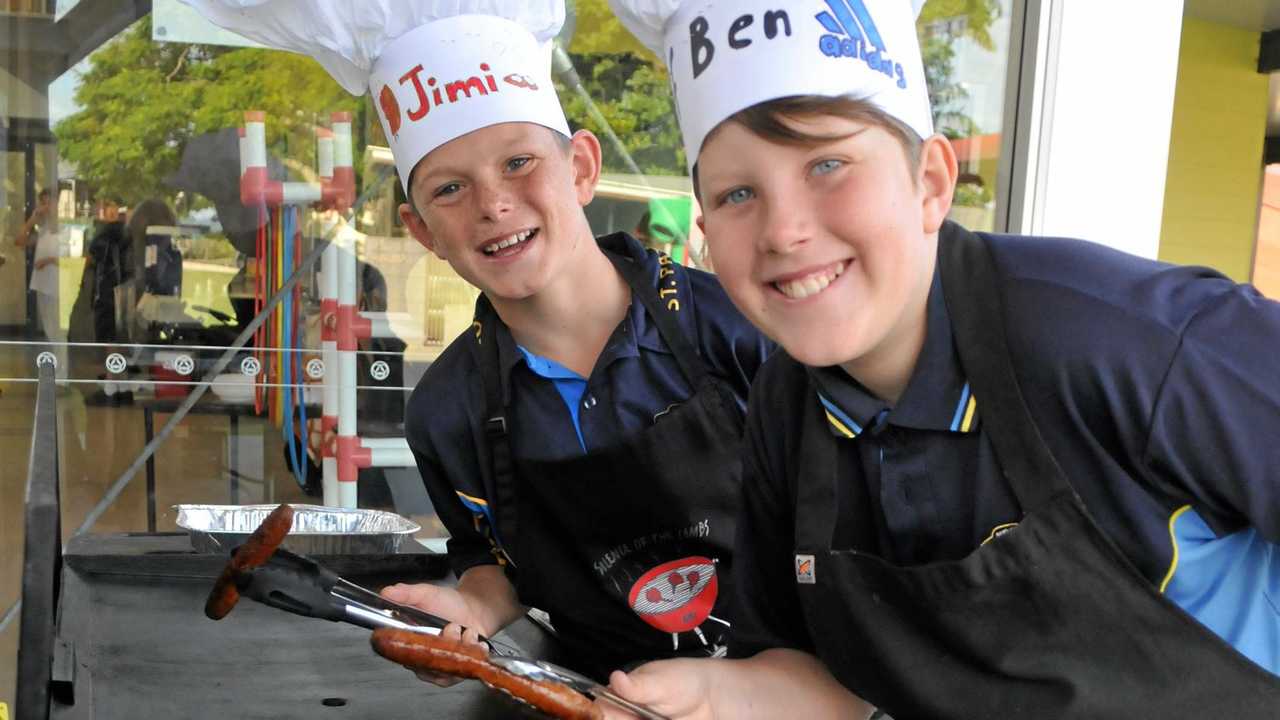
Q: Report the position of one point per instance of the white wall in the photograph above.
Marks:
(1103, 140)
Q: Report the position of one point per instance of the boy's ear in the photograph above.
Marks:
(418, 228)
(937, 180)
(586, 159)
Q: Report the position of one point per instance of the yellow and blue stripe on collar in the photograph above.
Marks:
(840, 423)
(966, 416)
(964, 420)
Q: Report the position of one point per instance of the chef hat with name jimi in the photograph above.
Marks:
(436, 69)
(725, 56)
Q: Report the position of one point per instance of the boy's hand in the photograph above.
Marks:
(679, 689)
(443, 602)
(777, 683)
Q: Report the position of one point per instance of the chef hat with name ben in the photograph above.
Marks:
(725, 57)
(436, 69)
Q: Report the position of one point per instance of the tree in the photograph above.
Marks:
(142, 101)
(940, 25)
(629, 87)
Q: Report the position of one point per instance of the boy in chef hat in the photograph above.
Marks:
(989, 476)
(581, 442)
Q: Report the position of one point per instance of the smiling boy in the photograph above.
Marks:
(581, 442)
(990, 476)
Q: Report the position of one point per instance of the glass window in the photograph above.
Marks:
(965, 46)
(128, 257)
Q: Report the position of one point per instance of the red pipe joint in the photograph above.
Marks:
(340, 193)
(351, 327)
(352, 456)
(256, 189)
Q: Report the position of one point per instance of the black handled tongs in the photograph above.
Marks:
(262, 570)
(297, 584)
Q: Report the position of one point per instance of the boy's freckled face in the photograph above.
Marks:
(821, 246)
(502, 205)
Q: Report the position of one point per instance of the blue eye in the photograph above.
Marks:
(736, 196)
(517, 163)
(446, 189)
(824, 167)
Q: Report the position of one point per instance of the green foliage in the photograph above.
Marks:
(597, 31)
(972, 195)
(210, 248)
(977, 15)
(142, 101)
(629, 89)
(940, 25)
(634, 99)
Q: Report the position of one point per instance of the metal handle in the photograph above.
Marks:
(586, 685)
(637, 710)
(365, 606)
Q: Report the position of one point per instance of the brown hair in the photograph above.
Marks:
(768, 120)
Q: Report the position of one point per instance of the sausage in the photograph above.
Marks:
(253, 552)
(420, 651)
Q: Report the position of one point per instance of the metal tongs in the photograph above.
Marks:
(264, 572)
(300, 585)
(297, 584)
(543, 671)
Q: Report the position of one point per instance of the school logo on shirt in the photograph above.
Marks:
(804, 570)
(853, 34)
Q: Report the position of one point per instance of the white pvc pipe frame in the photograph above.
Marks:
(338, 288)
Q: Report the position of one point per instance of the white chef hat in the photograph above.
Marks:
(727, 55)
(436, 69)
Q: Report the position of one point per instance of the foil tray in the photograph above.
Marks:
(317, 530)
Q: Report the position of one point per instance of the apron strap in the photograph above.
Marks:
(972, 292)
(501, 465)
(691, 364)
(814, 487)
(496, 435)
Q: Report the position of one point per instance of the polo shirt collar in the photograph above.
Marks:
(621, 344)
(937, 396)
(635, 331)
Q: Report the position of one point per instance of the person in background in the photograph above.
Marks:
(40, 233)
(990, 476)
(108, 254)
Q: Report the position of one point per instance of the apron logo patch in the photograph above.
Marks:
(676, 596)
(804, 570)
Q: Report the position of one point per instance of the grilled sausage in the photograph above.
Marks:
(254, 552)
(420, 651)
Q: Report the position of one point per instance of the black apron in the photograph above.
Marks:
(627, 547)
(1048, 620)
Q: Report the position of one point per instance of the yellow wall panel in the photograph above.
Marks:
(1215, 150)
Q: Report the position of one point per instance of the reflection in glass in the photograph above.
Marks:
(965, 46)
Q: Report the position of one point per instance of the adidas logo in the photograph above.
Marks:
(852, 33)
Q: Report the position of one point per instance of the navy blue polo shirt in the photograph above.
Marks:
(635, 380)
(1156, 387)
